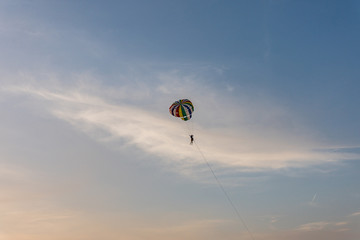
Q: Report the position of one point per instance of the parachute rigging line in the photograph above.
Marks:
(224, 191)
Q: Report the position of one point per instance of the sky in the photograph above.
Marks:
(88, 149)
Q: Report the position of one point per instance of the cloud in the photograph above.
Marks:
(242, 136)
(317, 226)
(314, 200)
(355, 214)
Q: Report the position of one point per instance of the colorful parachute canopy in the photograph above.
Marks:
(182, 109)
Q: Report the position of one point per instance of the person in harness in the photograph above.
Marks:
(191, 139)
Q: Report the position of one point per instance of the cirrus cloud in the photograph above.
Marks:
(251, 137)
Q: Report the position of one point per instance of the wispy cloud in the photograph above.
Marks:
(317, 226)
(355, 214)
(235, 141)
(314, 200)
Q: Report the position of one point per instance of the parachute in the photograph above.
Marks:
(182, 109)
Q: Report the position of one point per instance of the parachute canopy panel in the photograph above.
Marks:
(182, 109)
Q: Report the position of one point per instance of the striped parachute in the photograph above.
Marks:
(182, 109)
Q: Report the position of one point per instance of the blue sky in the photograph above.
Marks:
(88, 149)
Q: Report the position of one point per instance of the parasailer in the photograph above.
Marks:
(183, 109)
